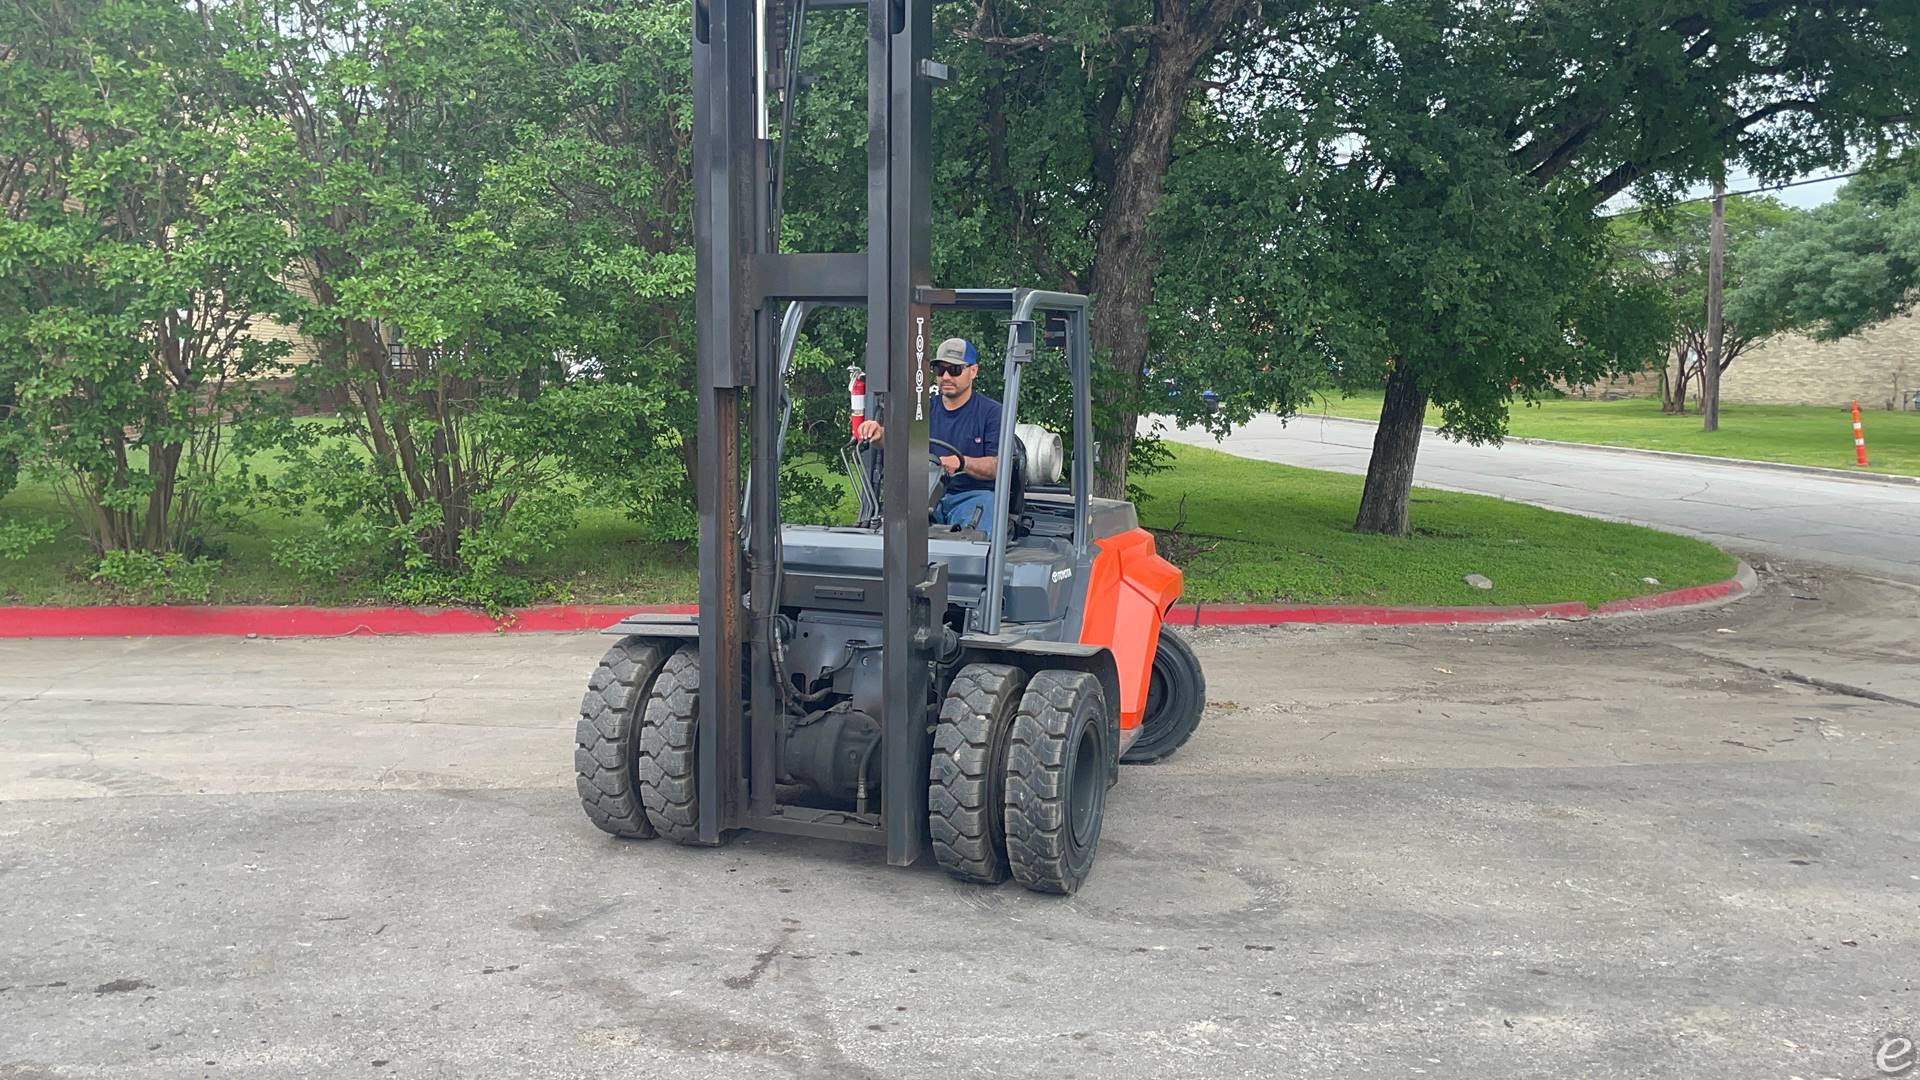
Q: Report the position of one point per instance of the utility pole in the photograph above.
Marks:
(1716, 324)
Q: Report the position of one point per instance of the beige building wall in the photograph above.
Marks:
(300, 348)
(1876, 367)
(1642, 384)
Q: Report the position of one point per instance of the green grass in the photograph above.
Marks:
(1257, 531)
(1252, 531)
(1792, 434)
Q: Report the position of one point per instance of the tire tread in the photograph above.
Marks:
(606, 738)
(968, 841)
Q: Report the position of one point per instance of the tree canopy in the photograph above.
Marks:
(1841, 267)
(1669, 247)
(1480, 139)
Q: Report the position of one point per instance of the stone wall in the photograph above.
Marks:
(301, 349)
(1875, 367)
(1642, 385)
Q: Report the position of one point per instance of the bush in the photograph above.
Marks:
(146, 244)
(11, 438)
(144, 577)
(19, 537)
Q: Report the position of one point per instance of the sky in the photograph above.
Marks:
(1805, 196)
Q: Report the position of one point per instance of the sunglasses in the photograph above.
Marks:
(949, 369)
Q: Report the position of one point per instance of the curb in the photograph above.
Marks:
(265, 621)
(1673, 455)
(1697, 597)
(262, 621)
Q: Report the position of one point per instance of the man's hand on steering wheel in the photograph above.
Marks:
(952, 462)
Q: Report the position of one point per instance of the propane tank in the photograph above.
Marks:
(857, 391)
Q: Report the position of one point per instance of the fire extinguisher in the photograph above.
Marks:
(857, 391)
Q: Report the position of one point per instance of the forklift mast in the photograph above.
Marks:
(745, 56)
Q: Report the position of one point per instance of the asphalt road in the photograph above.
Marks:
(1631, 849)
(1859, 525)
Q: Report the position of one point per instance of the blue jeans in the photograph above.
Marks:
(958, 508)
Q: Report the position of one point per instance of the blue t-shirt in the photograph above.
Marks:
(973, 429)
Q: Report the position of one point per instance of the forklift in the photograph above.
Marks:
(896, 681)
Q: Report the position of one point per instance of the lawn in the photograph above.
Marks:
(1793, 434)
(1257, 531)
(1247, 530)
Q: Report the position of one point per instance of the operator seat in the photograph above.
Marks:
(1017, 477)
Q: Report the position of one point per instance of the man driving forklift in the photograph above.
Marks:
(968, 422)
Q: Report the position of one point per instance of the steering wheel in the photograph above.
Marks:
(937, 477)
(952, 450)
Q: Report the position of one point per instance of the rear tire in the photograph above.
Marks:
(1057, 768)
(1175, 699)
(669, 752)
(966, 784)
(606, 748)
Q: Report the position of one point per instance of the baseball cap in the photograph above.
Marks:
(956, 351)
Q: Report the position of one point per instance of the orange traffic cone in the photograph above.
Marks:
(1859, 438)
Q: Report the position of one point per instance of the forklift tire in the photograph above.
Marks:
(1057, 769)
(669, 754)
(966, 785)
(606, 748)
(1175, 699)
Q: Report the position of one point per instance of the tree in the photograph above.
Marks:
(1437, 162)
(1669, 245)
(1057, 152)
(1470, 132)
(135, 251)
(10, 438)
(491, 207)
(1844, 266)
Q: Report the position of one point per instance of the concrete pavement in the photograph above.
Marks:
(1621, 849)
(1858, 525)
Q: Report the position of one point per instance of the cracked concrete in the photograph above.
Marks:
(1600, 849)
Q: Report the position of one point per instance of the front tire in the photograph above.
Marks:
(1057, 767)
(669, 752)
(606, 750)
(966, 783)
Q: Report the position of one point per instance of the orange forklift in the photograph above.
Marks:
(898, 681)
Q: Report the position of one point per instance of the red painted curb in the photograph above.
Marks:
(265, 621)
(23, 622)
(1356, 615)
(1698, 594)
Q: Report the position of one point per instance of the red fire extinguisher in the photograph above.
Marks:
(857, 391)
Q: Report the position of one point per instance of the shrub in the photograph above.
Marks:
(146, 577)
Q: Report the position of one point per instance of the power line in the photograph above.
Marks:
(1749, 191)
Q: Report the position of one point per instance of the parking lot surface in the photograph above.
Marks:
(1639, 848)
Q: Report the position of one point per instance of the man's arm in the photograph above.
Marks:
(980, 468)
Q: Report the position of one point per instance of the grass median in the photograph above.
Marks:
(1788, 434)
(1242, 530)
(1257, 531)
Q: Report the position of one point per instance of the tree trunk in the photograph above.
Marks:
(1711, 365)
(1673, 385)
(163, 467)
(1125, 257)
(1396, 443)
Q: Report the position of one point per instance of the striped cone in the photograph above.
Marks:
(1859, 438)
